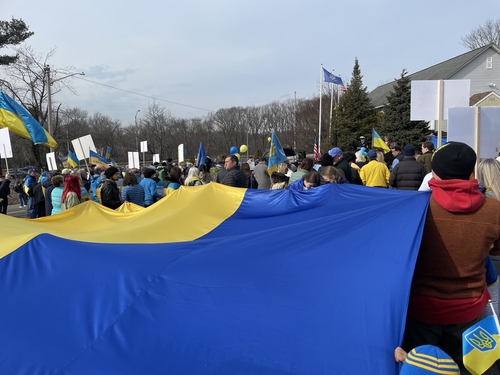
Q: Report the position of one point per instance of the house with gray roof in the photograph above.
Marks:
(481, 66)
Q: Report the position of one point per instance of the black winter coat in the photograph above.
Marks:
(4, 188)
(235, 177)
(408, 174)
(110, 195)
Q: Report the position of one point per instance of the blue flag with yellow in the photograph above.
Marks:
(378, 142)
(72, 159)
(108, 152)
(481, 345)
(211, 297)
(19, 121)
(97, 159)
(64, 161)
(276, 154)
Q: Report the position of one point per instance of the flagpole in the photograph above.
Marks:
(331, 111)
(494, 315)
(338, 93)
(6, 162)
(320, 95)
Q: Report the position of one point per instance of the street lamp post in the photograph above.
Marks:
(49, 83)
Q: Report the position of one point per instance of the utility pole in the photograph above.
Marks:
(49, 101)
(136, 140)
(49, 83)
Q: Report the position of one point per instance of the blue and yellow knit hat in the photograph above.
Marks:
(429, 359)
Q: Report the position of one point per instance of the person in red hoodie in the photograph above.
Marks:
(448, 291)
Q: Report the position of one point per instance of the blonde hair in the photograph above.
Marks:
(193, 172)
(380, 156)
(488, 176)
(331, 173)
(283, 168)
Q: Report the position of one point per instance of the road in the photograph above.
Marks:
(14, 210)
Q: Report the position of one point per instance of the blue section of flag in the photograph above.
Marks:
(276, 154)
(433, 139)
(202, 155)
(231, 302)
(332, 78)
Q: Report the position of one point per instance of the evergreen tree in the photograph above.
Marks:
(12, 33)
(396, 123)
(355, 115)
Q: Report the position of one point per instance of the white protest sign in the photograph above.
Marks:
(82, 146)
(425, 98)
(489, 132)
(51, 161)
(483, 137)
(156, 158)
(5, 146)
(133, 160)
(180, 152)
(144, 146)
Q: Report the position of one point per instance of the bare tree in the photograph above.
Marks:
(24, 80)
(489, 33)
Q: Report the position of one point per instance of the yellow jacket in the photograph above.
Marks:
(375, 173)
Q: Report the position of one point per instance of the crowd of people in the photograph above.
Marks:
(457, 268)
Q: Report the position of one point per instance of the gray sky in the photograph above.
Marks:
(223, 53)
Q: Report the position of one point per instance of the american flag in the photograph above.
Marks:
(316, 152)
(342, 88)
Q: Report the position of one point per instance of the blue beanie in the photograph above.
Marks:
(428, 359)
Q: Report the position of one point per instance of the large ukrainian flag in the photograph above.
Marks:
(19, 121)
(212, 280)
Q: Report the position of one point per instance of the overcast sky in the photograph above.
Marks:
(223, 53)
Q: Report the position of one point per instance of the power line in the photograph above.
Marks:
(145, 96)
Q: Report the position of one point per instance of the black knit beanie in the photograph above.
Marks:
(110, 172)
(453, 160)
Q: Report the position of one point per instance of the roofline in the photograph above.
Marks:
(479, 50)
(487, 96)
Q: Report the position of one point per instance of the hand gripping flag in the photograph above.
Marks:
(19, 121)
(481, 345)
(379, 142)
(276, 154)
(202, 155)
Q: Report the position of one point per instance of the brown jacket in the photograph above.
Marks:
(454, 247)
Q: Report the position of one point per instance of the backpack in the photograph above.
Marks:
(98, 192)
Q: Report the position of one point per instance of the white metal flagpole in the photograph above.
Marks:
(320, 95)
(331, 111)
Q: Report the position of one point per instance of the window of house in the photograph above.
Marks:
(489, 63)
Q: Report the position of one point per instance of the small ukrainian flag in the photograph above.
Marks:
(480, 345)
